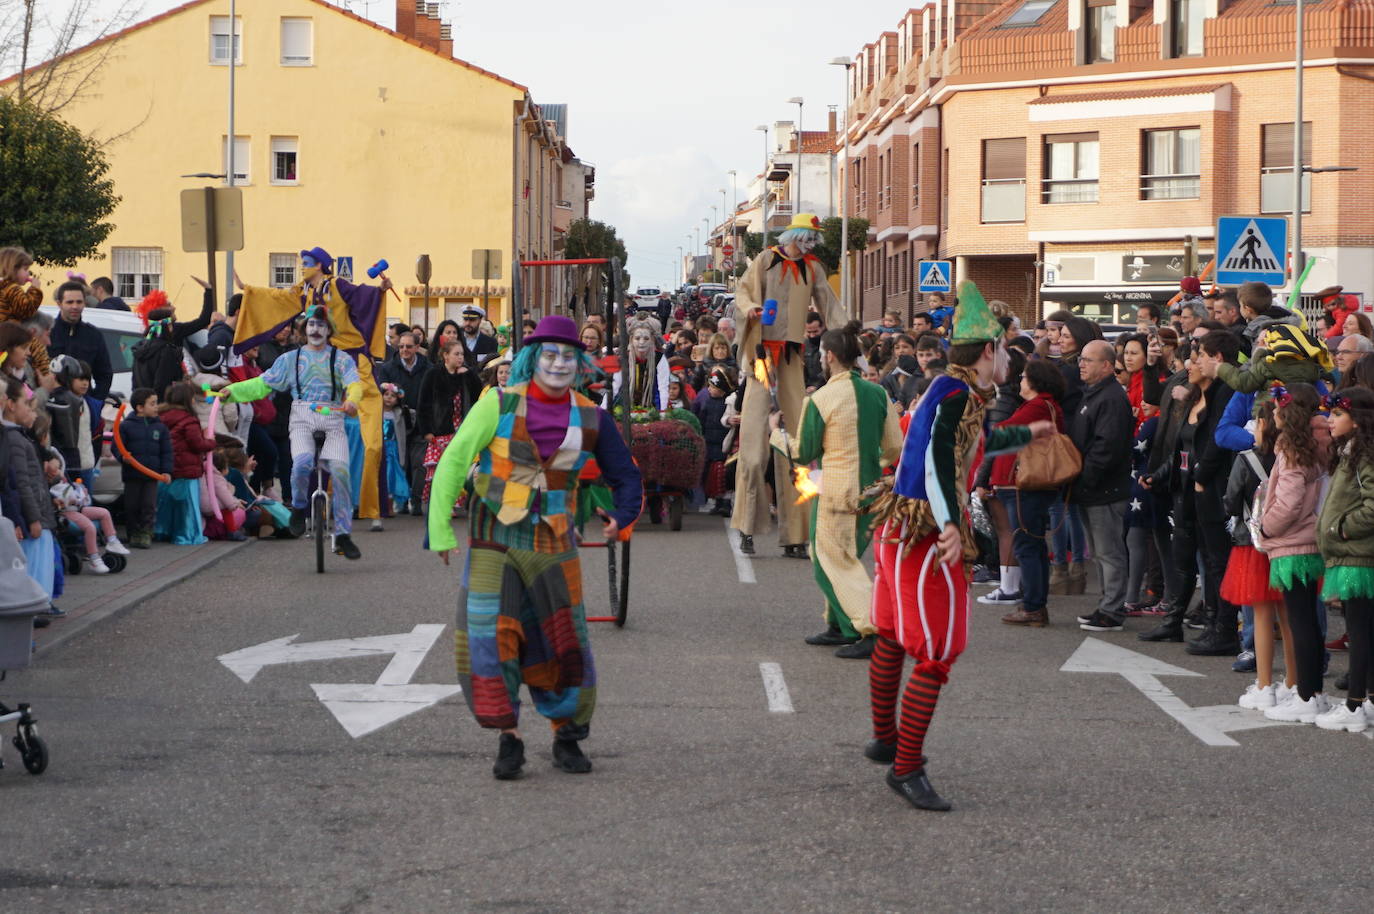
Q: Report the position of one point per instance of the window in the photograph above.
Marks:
(219, 40)
(1172, 165)
(1100, 40)
(137, 271)
(944, 188)
(1276, 168)
(283, 160)
(1186, 23)
(885, 175)
(297, 42)
(915, 172)
(1070, 168)
(882, 170)
(282, 270)
(242, 151)
(1028, 13)
(1004, 180)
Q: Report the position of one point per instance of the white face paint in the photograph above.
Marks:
(556, 367)
(642, 342)
(807, 242)
(316, 332)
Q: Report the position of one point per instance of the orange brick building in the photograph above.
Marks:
(1062, 151)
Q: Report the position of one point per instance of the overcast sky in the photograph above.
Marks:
(663, 97)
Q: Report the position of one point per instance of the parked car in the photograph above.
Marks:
(722, 302)
(646, 297)
(708, 290)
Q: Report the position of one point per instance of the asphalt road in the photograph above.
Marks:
(176, 786)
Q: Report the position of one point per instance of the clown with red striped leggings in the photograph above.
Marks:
(920, 587)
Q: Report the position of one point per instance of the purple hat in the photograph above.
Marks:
(321, 257)
(556, 329)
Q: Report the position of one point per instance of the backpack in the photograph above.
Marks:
(1252, 513)
(157, 364)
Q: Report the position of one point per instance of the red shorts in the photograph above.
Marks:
(920, 602)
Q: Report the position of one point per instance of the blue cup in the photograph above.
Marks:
(770, 312)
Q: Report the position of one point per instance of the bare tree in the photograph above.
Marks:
(37, 30)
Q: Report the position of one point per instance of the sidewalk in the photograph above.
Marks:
(91, 598)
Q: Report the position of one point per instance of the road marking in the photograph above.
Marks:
(360, 708)
(1209, 724)
(775, 687)
(743, 566)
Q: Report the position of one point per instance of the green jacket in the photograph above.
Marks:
(1258, 373)
(1345, 528)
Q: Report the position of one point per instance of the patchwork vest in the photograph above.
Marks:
(511, 479)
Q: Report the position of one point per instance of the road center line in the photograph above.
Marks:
(775, 687)
(743, 566)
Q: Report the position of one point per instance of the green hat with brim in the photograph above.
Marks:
(974, 321)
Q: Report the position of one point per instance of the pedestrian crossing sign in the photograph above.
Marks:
(1251, 249)
(343, 268)
(934, 275)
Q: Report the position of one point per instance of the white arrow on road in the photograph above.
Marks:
(360, 708)
(1209, 724)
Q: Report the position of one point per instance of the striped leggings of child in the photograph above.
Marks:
(918, 704)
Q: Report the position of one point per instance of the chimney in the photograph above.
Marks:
(405, 17)
(446, 39)
(834, 122)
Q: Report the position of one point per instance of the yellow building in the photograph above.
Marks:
(369, 142)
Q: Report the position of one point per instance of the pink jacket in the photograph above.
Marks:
(1288, 517)
(224, 494)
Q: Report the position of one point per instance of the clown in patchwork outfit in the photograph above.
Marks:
(520, 613)
(920, 589)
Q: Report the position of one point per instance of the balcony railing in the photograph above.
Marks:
(1170, 187)
(1276, 191)
(1076, 190)
(782, 208)
(1004, 200)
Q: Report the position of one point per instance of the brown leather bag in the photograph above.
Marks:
(1048, 463)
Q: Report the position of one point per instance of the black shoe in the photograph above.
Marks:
(42, 621)
(917, 791)
(1101, 621)
(1341, 684)
(859, 650)
(1170, 628)
(344, 546)
(567, 756)
(879, 751)
(831, 637)
(297, 523)
(1214, 643)
(509, 758)
(746, 544)
(797, 551)
(1197, 619)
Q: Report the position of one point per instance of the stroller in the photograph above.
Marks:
(20, 600)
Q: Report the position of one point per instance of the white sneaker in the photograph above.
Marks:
(113, 544)
(96, 565)
(376, 526)
(1342, 718)
(1293, 709)
(999, 597)
(1257, 697)
(1319, 706)
(1283, 692)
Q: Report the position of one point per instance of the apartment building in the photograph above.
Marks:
(1067, 152)
(373, 143)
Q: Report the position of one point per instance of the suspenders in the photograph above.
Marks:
(333, 376)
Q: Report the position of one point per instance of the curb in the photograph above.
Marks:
(134, 593)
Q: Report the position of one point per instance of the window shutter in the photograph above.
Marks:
(296, 41)
(1004, 159)
(1071, 137)
(1277, 144)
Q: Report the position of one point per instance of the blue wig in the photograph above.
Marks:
(522, 368)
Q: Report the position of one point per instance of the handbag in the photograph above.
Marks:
(1047, 463)
(1256, 506)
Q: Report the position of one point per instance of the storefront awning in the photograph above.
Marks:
(1113, 295)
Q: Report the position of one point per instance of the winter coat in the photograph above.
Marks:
(21, 453)
(1208, 462)
(1231, 432)
(1240, 494)
(1073, 384)
(435, 415)
(150, 443)
(710, 411)
(1345, 530)
(1103, 430)
(83, 341)
(227, 422)
(224, 494)
(70, 425)
(1040, 407)
(394, 371)
(1258, 373)
(189, 444)
(74, 495)
(1288, 518)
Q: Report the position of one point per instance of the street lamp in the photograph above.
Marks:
(763, 195)
(844, 191)
(797, 100)
(682, 264)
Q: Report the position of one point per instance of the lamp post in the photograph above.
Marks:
(706, 220)
(229, 169)
(682, 265)
(763, 195)
(844, 191)
(797, 100)
(1298, 58)
(694, 258)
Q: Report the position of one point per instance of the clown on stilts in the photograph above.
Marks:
(357, 314)
(921, 584)
(771, 304)
(520, 613)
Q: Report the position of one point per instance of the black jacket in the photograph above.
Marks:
(83, 341)
(481, 353)
(435, 414)
(1103, 430)
(149, 441)
(1209, 463)
(1073, 384)
(812, 368)
(394, 371)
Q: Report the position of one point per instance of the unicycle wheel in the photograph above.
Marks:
(318, 519)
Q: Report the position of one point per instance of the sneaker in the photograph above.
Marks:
(859, 650)
(999, 596)
(567, 756)
(141, 541)
(795, 551)
(1245, 663)
(1257, 697)
(96, 565)
(376, 525)
(746, 544)
(831, 637)
(1196, 619)
(297, 524)
(1282, 692)
(344, 546)
(1340, 644)
(1102, 622)
(1142, 609)
(55, 612)
(982, 574)
(1339, 717)
(1295, 710)
(510, 758)
(114, 545)
(1368, 710)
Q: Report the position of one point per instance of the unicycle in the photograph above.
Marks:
(320, 507)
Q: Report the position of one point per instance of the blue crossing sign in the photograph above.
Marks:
(343, 268)
(934, 276)
(1251, 249)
